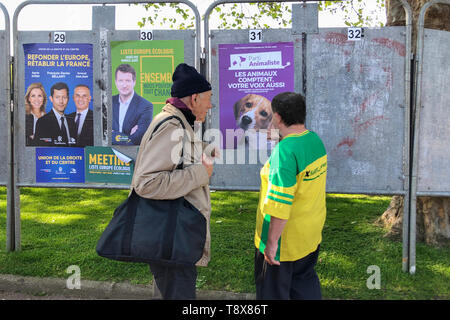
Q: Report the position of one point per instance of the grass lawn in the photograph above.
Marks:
(60, 227)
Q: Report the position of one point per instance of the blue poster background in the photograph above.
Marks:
(49, 63)
(60, 165)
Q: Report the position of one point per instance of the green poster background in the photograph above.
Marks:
(154, 62)
(102, 165)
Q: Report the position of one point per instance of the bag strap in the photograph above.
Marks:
(131, 204)
(180, 165)
(167, 119)
(134, 197)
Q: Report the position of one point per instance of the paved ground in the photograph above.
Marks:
(23, 296)
(34, 288)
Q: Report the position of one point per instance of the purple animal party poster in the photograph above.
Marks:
(250, 75)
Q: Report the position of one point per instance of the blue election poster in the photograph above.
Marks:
(60, 165)
(58, 94)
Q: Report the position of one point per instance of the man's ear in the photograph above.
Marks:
(276, 118)
(194, 97)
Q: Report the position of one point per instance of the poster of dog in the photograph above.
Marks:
(250, 75)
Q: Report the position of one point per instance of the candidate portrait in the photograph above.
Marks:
(83, 117)
(132, 114)
(55, 128)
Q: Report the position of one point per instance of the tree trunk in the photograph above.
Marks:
(436, 17)
(433, 213)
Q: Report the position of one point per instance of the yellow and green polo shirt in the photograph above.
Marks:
(293, 188)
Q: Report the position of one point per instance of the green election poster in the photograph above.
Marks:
(154, 63)
(105, 164)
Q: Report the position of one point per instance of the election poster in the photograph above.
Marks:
(250, 75)
(141, 82)
(58, 94)
(60, 165)
(108, 165)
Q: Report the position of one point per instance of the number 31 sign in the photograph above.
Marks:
(255, 36)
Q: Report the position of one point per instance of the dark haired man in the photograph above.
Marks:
(291, 210)
(132, 114)
(54, 128)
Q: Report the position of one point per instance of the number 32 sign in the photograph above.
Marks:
(355, 34)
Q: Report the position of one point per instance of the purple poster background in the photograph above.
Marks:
(250, 75)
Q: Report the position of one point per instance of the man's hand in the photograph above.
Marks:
(269, 254)
(208, 163)
(216, 152)
(133, 130)
(275, 229)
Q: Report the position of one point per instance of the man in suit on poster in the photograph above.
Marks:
(83, 118)
(55, 128)
(132, 114)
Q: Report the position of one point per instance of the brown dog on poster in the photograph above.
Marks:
(253, 113)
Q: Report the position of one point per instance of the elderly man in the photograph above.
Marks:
(159, 175)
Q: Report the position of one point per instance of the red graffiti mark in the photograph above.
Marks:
(389, 77)
(366, 124)
(337, 38)
(374, 96)
(392, 44)
(359, 125)
(368, 101)
(349, 143)
(213, 52)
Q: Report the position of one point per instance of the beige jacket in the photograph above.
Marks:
(155, 176)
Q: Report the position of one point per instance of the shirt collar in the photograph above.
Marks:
(126, 103)
(83, 112)
(57, 114)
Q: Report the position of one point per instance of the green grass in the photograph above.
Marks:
(60, 227)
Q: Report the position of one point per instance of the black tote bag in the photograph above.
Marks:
(169, 232)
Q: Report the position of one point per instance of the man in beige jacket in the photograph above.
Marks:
(157, 174)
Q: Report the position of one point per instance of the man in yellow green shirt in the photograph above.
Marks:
(292, 207)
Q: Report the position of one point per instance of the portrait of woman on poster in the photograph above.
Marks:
(35, 102)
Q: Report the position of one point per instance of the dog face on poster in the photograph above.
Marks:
(253, 114)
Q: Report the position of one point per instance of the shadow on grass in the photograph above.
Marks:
(351, 243)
